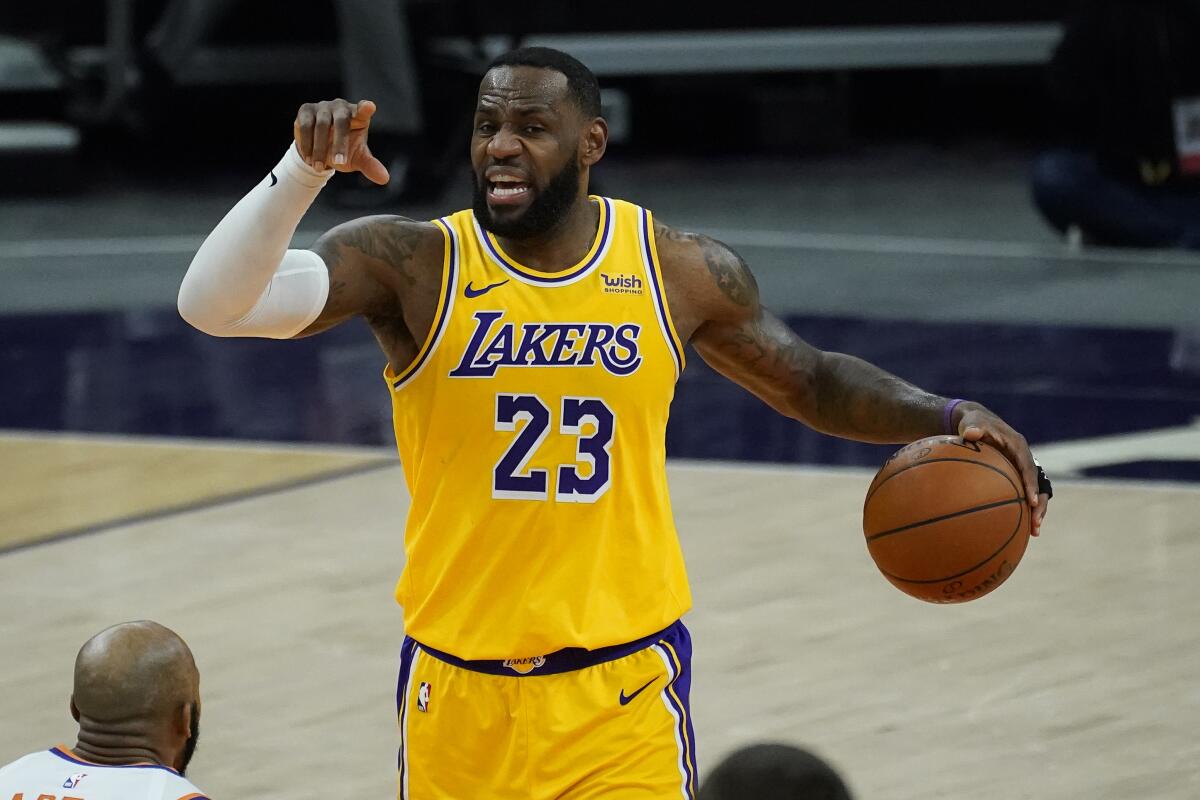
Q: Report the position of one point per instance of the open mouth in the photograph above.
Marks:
(507, 190)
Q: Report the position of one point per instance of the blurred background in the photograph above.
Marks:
(876, 164)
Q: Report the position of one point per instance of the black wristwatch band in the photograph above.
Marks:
(1044, 486)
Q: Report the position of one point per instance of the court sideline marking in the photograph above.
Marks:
(1073, 456)
(199, 505)
(360, 469)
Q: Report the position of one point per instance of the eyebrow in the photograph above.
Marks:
(524, 109)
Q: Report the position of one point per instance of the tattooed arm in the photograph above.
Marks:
(374, 263)
(830, 392)
(715, 305)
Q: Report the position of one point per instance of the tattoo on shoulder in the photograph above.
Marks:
(733, 277)
(662, 231)
(729, 270)
(393, 241)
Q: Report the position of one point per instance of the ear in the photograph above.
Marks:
(595, 141)
(181, 723)
(74, 709)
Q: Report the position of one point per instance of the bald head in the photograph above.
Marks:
(134, 671)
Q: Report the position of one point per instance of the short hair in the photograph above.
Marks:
(582, 85)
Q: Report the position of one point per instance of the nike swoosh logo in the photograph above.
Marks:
(626, 698)
(472, 292)
(274, 180)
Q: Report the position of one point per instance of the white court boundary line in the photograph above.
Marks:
(739, 237)
(197, 443)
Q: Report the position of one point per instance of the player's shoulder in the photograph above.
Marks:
(390, 238)
(177, 787)
(391, 242)
(679, 248)
(706, 270)
(182, 789)
(24, 761)
(689, 251)
(162, 782)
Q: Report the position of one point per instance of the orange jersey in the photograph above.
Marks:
(531, 427)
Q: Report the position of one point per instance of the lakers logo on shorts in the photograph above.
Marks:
(524, 666)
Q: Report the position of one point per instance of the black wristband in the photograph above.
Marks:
(1044, 486)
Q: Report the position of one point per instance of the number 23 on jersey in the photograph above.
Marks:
(587, 418)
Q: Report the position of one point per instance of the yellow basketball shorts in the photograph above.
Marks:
(576, 724)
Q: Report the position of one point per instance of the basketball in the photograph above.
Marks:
(946, 521)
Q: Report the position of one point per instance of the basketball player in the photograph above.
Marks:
(137, 702)
(533, 345)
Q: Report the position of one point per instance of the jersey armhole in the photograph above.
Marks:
(658, 293)
(450, 269)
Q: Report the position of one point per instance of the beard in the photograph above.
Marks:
(547, 210)
(189, 747)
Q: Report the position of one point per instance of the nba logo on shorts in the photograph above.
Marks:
(423, 697)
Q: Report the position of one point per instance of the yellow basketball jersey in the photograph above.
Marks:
(531, 428)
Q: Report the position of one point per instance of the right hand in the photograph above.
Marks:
(333, 133)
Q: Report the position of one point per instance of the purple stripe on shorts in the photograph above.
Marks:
(678, 643)
(407, 650)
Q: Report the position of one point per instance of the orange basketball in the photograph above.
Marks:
(946, 520)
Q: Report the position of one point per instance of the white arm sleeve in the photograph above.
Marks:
(244, 281)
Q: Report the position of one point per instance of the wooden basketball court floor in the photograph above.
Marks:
(1080, 678)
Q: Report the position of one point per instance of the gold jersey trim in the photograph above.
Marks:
(662, 309)
(441, 317)
(533, 277)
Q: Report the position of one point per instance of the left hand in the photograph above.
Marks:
(976, 423)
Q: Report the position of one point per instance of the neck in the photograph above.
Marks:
(564, 245)
(118, 747)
